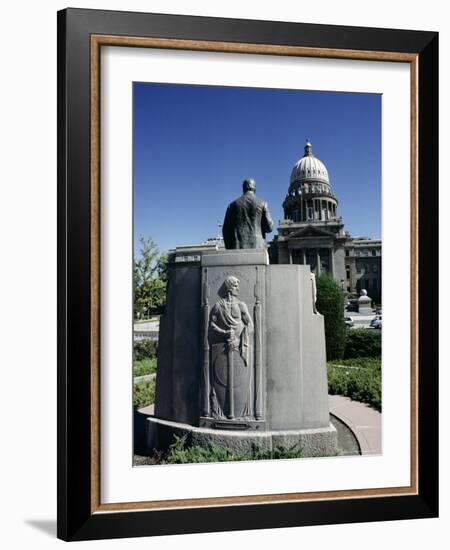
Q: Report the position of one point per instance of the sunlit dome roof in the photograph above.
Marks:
(309, 168)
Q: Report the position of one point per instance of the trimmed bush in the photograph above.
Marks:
(363, 342)
(361, 381)
(330, 303)
(145, 349)
(144, 393)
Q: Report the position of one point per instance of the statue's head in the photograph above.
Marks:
(249, 184)
(232, 285)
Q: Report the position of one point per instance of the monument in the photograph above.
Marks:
(365, 303)
(241, 359)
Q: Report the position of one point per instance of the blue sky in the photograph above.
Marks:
(194, 145)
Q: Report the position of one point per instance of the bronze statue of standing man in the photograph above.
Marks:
(247, 220)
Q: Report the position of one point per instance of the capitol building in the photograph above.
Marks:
(312, 233)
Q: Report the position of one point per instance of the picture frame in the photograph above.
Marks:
(81, 35)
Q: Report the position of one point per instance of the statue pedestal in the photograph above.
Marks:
(365, 304)
(313, 441)
(265, 385)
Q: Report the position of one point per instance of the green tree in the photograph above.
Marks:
(330, 303)
(149, 280)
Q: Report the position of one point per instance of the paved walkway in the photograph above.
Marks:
(149, 409)
(144, 377)
(364, 421)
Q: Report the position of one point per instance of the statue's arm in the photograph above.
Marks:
(246, 317)
(266, 220)
(213, 323)
(227, 229)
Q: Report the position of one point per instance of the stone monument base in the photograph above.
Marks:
(314, 442)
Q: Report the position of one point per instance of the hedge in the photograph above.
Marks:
(144, 393)
(145, 349)
(330, 303)
(361, 381)
(363, 342)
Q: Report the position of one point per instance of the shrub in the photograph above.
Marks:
(330, 303)
(361, 381)
(144, 393)
(180, 453)
(363, 342)
(145, 349)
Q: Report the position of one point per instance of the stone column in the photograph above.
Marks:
(304, 256)
(332, 261)
(290, 255)
(318, 261)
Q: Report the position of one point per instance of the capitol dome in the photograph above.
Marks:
(309, 168)
(310, 197)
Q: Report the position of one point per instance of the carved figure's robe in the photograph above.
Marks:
(225, 316)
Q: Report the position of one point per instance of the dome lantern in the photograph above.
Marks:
(308, 148)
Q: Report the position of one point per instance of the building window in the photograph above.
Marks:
(374, 252)
(347, 253)
(375, 268)
(358, 268)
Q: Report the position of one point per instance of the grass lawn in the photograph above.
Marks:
(144, 366)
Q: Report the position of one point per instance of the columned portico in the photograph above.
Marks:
(318, 262)
(332, 270)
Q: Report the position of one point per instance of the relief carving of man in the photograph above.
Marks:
(230, 328)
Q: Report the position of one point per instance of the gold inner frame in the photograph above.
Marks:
(97, 41)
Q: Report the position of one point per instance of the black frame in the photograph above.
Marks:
(75, 521)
